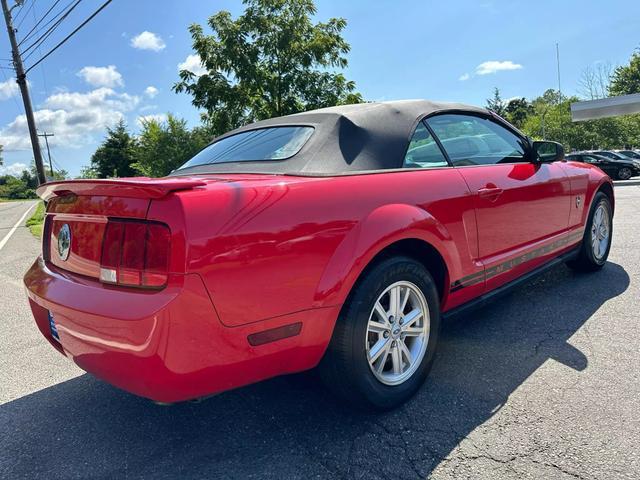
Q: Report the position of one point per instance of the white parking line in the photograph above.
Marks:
(6, 238)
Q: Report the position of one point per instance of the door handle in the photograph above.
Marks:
(490, 193)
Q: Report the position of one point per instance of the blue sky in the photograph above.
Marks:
(455, 50)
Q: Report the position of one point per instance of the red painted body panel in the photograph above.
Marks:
(167, 345)
(254, 252)
(527, 204)
(87, 218)
(136, 187)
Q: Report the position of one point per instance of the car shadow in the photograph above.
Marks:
(296, 429)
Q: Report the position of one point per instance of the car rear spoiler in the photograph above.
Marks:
(136, 187)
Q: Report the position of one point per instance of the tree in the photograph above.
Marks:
(595, 81)
(116, 154)
(626, 78)
(164, 146)
(1, 161)
(552, 121)
(517, 111)
(18, 187)
(496, 104)
(88, 173)
(271, 61)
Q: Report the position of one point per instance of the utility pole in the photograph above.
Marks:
(558, 64)
(21, 79)
(46, 140)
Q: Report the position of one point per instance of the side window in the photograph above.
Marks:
(423, 151)
(471, 140)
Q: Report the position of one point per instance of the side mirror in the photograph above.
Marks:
(547, 152)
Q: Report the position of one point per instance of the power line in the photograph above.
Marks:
(56, 18)
(40, 21)
(33, 2)
(19, 11)
(21, 79)
(44, 78)
(51, 29)
(102, 7)
(30, 35)
(13, 97)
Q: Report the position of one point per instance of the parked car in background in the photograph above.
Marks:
(618, 169)
(629, 153)
(335, 238)
(610, 154)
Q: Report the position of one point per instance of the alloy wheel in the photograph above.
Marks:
(600, 232)
(397, 333)
(624, 173)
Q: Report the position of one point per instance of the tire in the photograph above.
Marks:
(346, 369)
(624, 173)
(594, 252)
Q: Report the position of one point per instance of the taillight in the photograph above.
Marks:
(135, 254)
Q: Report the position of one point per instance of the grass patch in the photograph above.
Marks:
(35, 221)
(5, 199)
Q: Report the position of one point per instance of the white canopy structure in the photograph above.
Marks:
(605, 107)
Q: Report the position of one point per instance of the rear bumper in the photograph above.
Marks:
(166, 345)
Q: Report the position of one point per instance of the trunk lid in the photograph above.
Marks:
(78, 212)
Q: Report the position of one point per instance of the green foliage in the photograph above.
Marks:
(626, 78)
(30, 177)
(495, 103)
(551, 120)
(517, 111)
(1, 161)
(115, 156)
(88, 172)
(159, 148)
(57, 175)
(271, 61)
(18, 188)
(164, 146)
(24, 186)
(36, 220)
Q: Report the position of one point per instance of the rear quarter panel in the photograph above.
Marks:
(270, 246)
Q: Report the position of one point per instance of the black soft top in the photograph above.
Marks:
(347, 139)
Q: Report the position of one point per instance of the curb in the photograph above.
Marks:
(622, 183)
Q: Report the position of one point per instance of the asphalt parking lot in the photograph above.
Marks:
(543, 384)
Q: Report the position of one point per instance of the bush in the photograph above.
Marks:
(15, 188)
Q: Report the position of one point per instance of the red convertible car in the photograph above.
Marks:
(337, 238)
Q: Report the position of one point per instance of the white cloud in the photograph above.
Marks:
(464, 77)
(493, 66)
(102, 76)
(148, 41)
(74, 118)
(193, 63)
(148, 108)
(151, 91)
(158, 117)
(14, 169)
(8, 89)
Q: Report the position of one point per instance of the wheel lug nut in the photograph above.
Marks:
(385, 334)
(401, 321)
(393, 344)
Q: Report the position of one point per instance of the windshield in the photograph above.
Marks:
(275, 143)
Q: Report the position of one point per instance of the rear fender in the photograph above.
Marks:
(381, 228)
